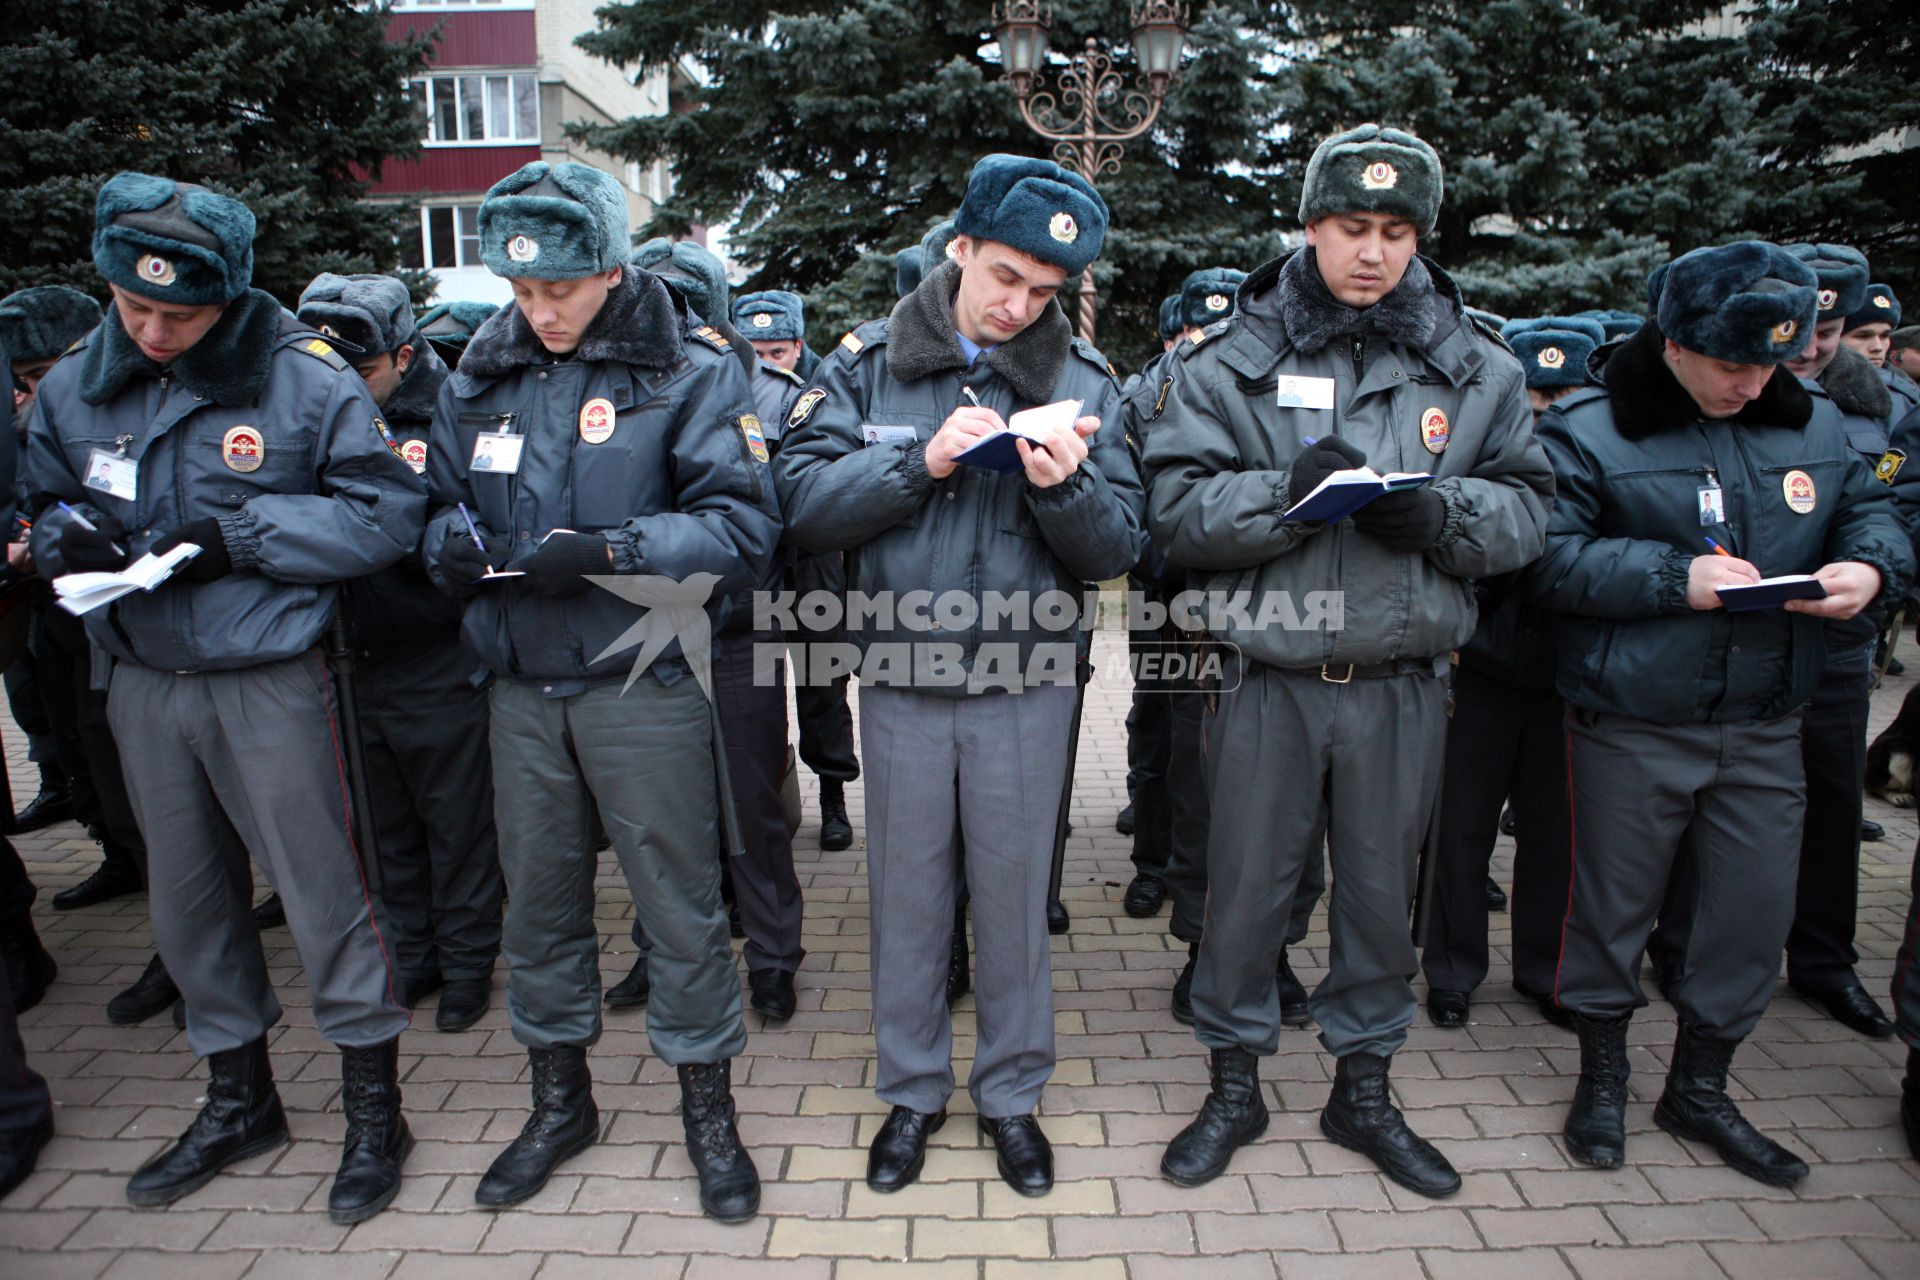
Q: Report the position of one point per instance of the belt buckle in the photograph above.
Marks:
(1346, 679)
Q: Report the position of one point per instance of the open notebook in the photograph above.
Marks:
(999, 452)
(1345, 492)
(84, 592)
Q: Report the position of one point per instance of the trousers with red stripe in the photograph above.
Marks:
(1733, 796)
(223, 766)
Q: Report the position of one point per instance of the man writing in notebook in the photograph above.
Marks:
(1699, 465)
(1335, 726)
(955, 736)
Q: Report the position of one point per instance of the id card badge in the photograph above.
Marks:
(114, 475)
(496, 452)
(1305, 393)
(873, 435)
(1713, 507)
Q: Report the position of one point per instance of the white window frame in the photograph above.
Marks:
(455, 80)
(460, 238)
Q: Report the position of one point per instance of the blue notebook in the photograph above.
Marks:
(1771, 593)
(1345, 492)
(1000, 453)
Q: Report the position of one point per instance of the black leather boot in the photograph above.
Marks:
(1910, 1103)
(152, 992)
(1695, 1106)
(1361, 1117)
(836, 832)
(632, 989)
(1294, 1009)
(729, 1184)
(563, 1124)
(1145, 896)
(772, 993)
(115, 877)
(242, 1118)
(53, 804)
(378, 1139)
(959, 962)
(1233, 1115)
(1183, 987)
(1596, 1128)
(29, 967)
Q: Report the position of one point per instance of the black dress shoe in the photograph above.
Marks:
(111, 879)
(1851, 1006)
(899, 1150)
(1871, 830)
(53, 804)
(1183, 987)
(563, 1123)
(1022, 1153)
(1360, 1116)
(20, 1151)
(836, 832)
(772, 992)
(1895, 667)
(1552, 1012)
(1447, 1008)
(415, 987)
(1145, 896)
(1295, 1011)
(1496, 896)
(270, 913)
(242, 1118)
(1124, 822)
(1058, 921)
(632, 989)
(736, 928)
(378, 1139)
(29, 967)
(463, 1002)
(152, 992)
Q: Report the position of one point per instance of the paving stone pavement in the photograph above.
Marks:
(1492, 1095)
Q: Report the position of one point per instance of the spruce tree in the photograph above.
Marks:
(276, 102)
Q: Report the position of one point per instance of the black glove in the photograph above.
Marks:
(461, 564)
(92, 550)
(560, 566)
(213, 560)
(1318, 461)
(1406, 520)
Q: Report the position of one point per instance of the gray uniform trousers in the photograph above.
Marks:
(223, 764)
(644, 759)
(994, 765)
(1733, 795)
(1293, 755)
(424, 726)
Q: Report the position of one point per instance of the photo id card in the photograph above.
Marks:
(1306, 393)
(496, 452)
(113, 475)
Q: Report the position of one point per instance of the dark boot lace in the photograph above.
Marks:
(707, 1111)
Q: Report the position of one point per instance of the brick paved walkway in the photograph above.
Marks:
(1493, 1096)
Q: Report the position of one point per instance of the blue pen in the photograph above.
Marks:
(85, 523)
(472, 528)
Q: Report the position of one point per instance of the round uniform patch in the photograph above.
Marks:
(1797, 485)
(523, 248)
(803, 407)
(1550, 358)
(1883, 302)
(243, 449)
(1379, 176)
(1783, 332)
(414, 454)
(756, 438)
(155, 269)
(1434, 432)
(1063, 228)
(762, 320)
(596, 420)
(1827, 298)
(1217, 302)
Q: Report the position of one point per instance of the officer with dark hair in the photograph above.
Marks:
(1697, 467)
(422, 697)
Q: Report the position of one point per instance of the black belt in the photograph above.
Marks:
(1343, 672)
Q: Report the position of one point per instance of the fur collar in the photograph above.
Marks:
(638, 325)
(1648, 399)
(413, 400)
(1856, 386)
(1313, 317)
(229, 365)
(921, 341)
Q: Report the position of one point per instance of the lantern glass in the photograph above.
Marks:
(1023, 38)
(1158, 45)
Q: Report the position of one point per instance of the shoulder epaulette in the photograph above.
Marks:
(712, 337)
(1200, 337)
(862, 340)
(788, 374)
(319, 348)
(1088, 352)
(1488, 331)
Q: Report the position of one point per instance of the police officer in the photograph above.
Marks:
(1903, 352)
(1869, 327)
(423, 708)
(775, 323)
(619, 444)
(1505, 739)
(966, 728)
(201, 413)
(1686, 718)
(1335, 728)
(1906, 1014)
(449, 326)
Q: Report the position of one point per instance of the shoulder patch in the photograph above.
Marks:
(1160, 401)
(322, 350)
(712, 337)
(803, 407)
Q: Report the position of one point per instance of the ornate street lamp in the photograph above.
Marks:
(1095, 110)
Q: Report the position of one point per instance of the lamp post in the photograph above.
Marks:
(1095, 110)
